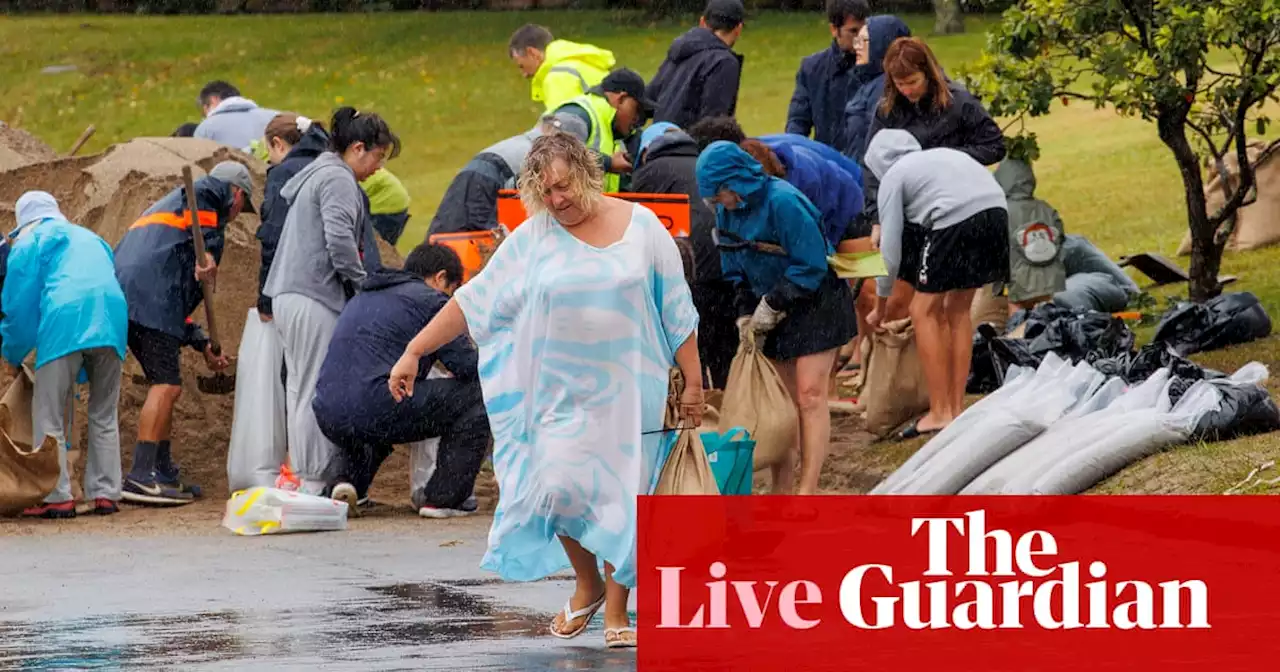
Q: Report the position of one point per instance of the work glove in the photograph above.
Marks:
(765, 318)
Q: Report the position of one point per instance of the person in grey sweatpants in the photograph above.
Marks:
(318, 265)
(61, 299)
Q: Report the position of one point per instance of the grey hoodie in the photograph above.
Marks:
(235, 122)
(318, 249)
(934, 188)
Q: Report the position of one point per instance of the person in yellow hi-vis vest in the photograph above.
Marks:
(561, 70)
(613, 111)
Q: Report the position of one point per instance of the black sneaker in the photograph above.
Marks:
(172, 481)
(466, 508)
(154, 493)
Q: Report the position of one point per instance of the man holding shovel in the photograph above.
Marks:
(156, 263)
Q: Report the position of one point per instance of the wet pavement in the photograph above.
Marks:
(340, 600)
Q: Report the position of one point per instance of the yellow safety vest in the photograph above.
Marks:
(600, 139)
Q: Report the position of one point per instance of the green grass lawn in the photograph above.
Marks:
(445, 85)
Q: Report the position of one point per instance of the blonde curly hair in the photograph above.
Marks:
(586, 178)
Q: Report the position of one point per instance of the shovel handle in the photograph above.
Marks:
(197, 239)
(84, 137)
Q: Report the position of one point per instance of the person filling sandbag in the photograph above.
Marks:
(351, 402)
(156, 265)
(1036, 268)
(470, 202)
(61, 299)
(944, 229)
(388, 204)
(1094, 282)
(773, 250)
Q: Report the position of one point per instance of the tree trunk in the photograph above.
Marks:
(1206, 254)
(949, 19)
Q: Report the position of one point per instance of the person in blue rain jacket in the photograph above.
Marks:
(62, 300)
(828, 179)
(773, 250)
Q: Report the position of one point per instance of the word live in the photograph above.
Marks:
(972, 600)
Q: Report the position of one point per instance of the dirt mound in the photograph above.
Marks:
(19, 148)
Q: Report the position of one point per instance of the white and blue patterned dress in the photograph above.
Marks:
(576, 344)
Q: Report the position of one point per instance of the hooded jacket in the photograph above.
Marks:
(60, 293)
(698, 79)
(964, 126)
(770, 212)
(828, 179)
(824, 83)
(387, 195)
(369, 338)
(934, 189)
(668, 165)
(319, 255)
(567, 71)
(1035, 235)
(156, 261)
(470, 203)
(861, 108)
(236, 122)
(274, 208)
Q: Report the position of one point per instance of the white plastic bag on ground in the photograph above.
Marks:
(259, 511)
(1001, 429)
(258, 429)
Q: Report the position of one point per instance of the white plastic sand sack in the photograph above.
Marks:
(1001, 429)
(259, 511)
(258, 428)
(1017, 381)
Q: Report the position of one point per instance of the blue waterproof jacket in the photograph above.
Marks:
(861, 108)
(770, 212)
(827, 178)
(60, 291)
(371, 335)
(156, 261)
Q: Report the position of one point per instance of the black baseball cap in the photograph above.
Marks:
(624, 80)
(729, 10)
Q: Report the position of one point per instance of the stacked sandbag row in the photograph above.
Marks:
(1061, 429)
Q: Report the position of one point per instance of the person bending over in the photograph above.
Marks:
(355, 411)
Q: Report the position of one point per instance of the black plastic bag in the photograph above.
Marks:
(992, 357)
(1229, 319)
(1247, 408)
(1078, 336)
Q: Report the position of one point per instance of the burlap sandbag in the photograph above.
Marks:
(989, 309)
(26, 475)
(711, 411)
(756, 399)
(894, 390)
(687, 470)
(1258, 224)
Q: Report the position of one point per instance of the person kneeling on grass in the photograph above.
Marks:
(943, 229)
(355, 410)
(61, 298)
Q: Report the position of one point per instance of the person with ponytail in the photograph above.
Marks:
(317, 267)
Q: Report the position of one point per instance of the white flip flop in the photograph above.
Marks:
(586, 613)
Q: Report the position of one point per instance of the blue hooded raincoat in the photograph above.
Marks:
(772, 212)
(829, 179)
(60, 293)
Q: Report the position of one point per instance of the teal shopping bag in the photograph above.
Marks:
(731, 454)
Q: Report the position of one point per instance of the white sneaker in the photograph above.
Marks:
(345, 492)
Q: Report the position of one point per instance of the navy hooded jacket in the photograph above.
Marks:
(861, 108)
(371, 335)
(669, 166)
(156, 261)
(824, 84)
(698, 79)
(274, 208)
(827, 178)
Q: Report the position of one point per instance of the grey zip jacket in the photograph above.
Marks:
(932, 188)
(319, 254)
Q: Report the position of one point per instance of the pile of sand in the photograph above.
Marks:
(107, 192)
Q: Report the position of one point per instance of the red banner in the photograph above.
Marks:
(1086, 583)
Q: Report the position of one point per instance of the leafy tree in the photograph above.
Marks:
(1201, 70)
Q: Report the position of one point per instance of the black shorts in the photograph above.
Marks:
(822, 321)
(158, 353)
(968, 255)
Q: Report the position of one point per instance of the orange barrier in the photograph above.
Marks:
(473, 247)
(672, 209)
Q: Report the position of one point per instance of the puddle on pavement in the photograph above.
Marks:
(419, 622)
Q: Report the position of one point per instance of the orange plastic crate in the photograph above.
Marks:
(672, 209)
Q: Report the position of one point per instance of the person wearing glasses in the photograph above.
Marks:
(828, 79)
(772, 249)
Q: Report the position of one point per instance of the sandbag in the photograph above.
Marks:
(259, 511)
(1229, 319)
(1246, 407)
(27, 474)
(756, 399)
(1137, 367)
(1257, 224)
(259, 439)
(990, 308)
(686, 470)
(893, 390)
